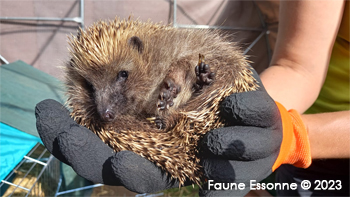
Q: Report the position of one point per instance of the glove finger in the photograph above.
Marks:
(242, 143)
(255, 108)
(88, 155)
(229, 171)
(73, 144)
(139, 174)
(52, 118)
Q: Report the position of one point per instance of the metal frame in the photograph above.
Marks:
(3, 60)
(76, 189)
(79, 20)
(51, 164)
(264, 31)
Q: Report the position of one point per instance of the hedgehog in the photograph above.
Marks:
(154, 89)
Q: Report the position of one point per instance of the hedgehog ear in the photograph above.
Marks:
(136, 43)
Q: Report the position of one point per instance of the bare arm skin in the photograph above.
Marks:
(329, 134)
(299, 66)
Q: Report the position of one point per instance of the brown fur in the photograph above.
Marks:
(100, 52)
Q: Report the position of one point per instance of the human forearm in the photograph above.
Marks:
(295, 90)
(329, 134)
(300, 62)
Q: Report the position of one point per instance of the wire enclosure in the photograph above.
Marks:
(37, 174)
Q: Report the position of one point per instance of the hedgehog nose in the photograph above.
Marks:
(108, 115)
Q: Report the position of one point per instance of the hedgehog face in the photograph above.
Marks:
(99, 96)
(110, 99)
(115, 70)
(111, 88)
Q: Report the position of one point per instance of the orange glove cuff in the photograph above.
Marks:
(295, 147)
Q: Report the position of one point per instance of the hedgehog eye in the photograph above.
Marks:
(90, 86)
(123, 74)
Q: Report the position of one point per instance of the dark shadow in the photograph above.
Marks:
(107, 172)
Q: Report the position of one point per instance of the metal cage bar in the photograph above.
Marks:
(47, 173)
(79, 19)
(263, 30)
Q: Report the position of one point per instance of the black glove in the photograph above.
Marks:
(80, 148)
(247, 150)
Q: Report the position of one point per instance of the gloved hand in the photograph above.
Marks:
(260, 137)
(80, 148)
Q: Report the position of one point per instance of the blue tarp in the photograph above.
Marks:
(14, 145)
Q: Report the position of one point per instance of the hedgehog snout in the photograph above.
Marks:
(108, 115)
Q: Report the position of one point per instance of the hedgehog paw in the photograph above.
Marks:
(203, 73)
(157, 121)
(168, 92)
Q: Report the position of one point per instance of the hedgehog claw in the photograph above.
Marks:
(156, 121)
(151, 119)
(159, 123)
(168, 92)
(203, 73)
